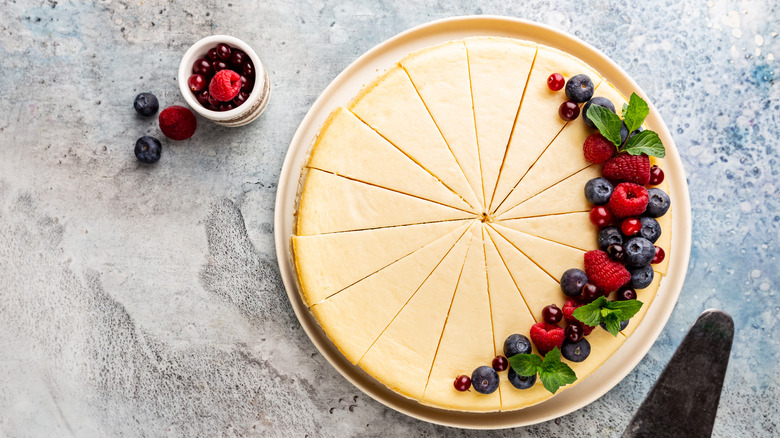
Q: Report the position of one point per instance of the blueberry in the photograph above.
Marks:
(579, 88)
(148, 149)
(609, 236)
(146, 104)
(624, 132)
(658, 204)
(641, 277)
(518, 381)
(639, 251)
(651, 229)
(598, 191)
(516, 344)
(572, 281)
(600, 101)
(575, 351)
(484, 380)
(623, 325)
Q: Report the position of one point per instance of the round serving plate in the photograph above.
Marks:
(365, 69)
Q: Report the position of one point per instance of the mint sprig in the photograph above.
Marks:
(552, 372)
(611, 313)
(634, 114)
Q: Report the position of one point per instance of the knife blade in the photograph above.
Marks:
(684, 400)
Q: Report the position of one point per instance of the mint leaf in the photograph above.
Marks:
(625, 108)
(590, 314)
(525, 364)
(611, 313)
(624, 309)
(612, 324)
(635, 114)
(646, 142)
(607, 122)
(553, 373)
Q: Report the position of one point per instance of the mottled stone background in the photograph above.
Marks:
(146, 301)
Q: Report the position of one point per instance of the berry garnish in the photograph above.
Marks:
(617, 131)
(628, 199)
(659, 256)
(462, 383)
(630, 226)
(177, 122)
(552, 372)
(484, 380)
(639, 252)
(598, 101)
(623, 325)
(625, 135)
(225, 85)
(651, 229)
(576, 351)
(609, 236)
(546, 336)
(597, 149)
(626, 293)
(146, 104)
(572, 281)
(590, 292)
(641, 277)
(658, 203)
(516, 344)
(610, 313)
(555, 81)
(203, 67)
(606, 274)
(579, 88)
(600, 216)
(568, 111)
(196, 83)
(598, 191)
(627, 168)
(223, 51)
(617, 252)
(656, 175)
(518, 381)
(573, 333)
(552, 314)
(500, 363)
(148, 149)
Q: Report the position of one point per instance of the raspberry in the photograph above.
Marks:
(568, 314)
(225, 85)
(597, 148)
(628, 200)
(605, 273)
(628, 168)
(546, 336)
(177, 122)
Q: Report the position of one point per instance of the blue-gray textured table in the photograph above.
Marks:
(145, 301)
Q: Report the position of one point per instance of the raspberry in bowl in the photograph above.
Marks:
(222, 79)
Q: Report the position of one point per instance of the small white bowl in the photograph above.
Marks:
(258, 98)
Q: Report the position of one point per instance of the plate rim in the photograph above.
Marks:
(637, 345)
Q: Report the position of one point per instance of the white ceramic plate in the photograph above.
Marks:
(366, 68)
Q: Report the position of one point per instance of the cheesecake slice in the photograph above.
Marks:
(566, 196)
(570, 229)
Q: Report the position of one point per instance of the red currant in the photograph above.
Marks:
(203, 98)
(214, 102)
(246, 84)
(223, 51)
(219, 65)
(552, 314)
(569, 111)
(660, 255)
(238, 58)
(656, 175)
(590, 292)
(196, 83)
(226, 106)
(626, 293)
(630, 226)
(617, 252)
(500, 363)
(600, 216)
(574, 332)
(556, 81)
(211, 55)
(240, 99)
(462, 383)
(249, 70)
(202, 67)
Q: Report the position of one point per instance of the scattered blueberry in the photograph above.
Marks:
(639, 252)
(484, 380)
(623, 325)
(624, 132)
(609, 236)
(148, 149)
(572, 281)
(600, 101)
(516, 344)
(651, 229)
(641, 277)
(658, 204)
(520, 382)
(579, 88)
(575, 351)
(598, 191)
(146, 104)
